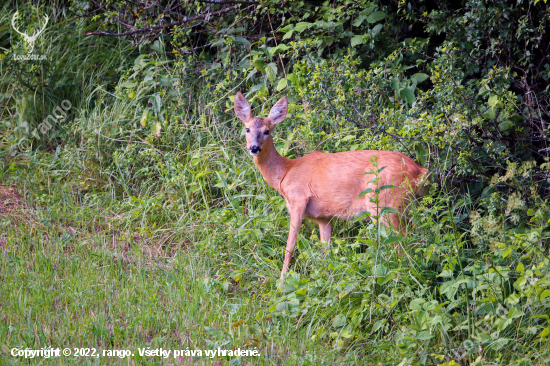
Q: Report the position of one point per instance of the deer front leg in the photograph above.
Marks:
(296, 216)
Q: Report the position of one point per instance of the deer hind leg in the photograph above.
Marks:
(398, 224)
(297, 210)
(325, 229)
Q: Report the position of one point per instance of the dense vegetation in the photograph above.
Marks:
(132, 216)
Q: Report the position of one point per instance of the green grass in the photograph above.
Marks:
(75, 276)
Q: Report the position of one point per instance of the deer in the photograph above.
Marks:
(29, 39)
(325, 186)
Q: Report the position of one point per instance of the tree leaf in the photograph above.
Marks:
(242, 40)
(357, 22)
(395, 84)
(505, 125)
(493, 100)
(280, 48)
(376, 16)
(407, 95)
(271, 71)
(377, 28)
(420, 77)
(356, 40)
(416, 304)
(288, 34)
(281, 84)
(302, 26)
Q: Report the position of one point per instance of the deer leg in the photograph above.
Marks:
(296, 216)
(325, 229)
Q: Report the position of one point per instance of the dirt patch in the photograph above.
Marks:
(10, 200)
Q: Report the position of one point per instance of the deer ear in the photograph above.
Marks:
(242, 108)
(278, 111)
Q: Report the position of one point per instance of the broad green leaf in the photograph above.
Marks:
(271, 71)
(356, 40)
(386, 186)
(416, 304)
(165, 81)
(346, 334)
(377, 28)
(514, 313)
(493, 100)
(520, 283)
(378, 324)
(339, 321)
(376, 16)
(287, 28)
(366, 191)
(505, 125)
(281, 84)
(219, 42)
(421, 154)
(395, 84)
(423, 336)
(544, 294)
(489, 113)
(520, 268)
(259, 64)
(380, 270)
(393, 239)
(407, 95)
(420, 77)
(288, 34)
(292, 78)
(280, 48)
(449, 289)
(357, 22)
(385, 279)
(282, 306)
(242, 40)
(302, 26)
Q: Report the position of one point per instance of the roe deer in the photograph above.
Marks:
(323, 186)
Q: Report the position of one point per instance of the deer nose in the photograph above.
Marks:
(255, 149)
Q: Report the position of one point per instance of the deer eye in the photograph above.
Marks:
(266, 132)
(247, 130)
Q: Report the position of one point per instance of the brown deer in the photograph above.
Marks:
(322, 186)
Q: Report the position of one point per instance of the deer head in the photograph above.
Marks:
(258, 130)
(29, 39)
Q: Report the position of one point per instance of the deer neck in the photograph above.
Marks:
(272, 165)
